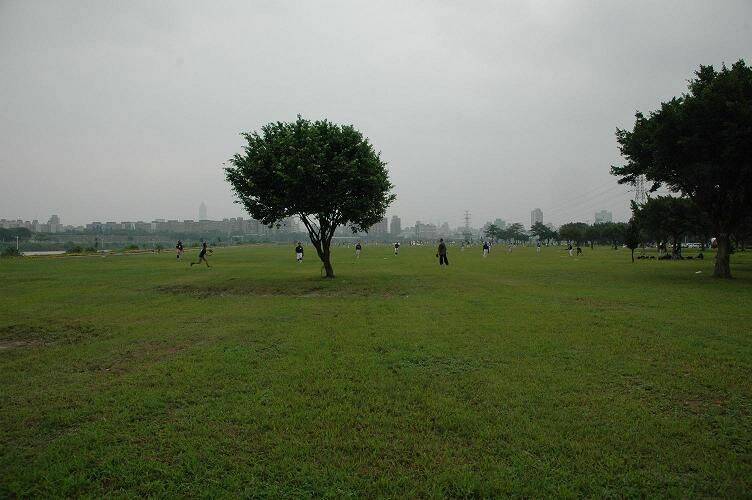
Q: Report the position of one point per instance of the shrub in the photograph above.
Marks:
(10, 252)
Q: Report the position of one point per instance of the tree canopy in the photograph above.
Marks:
(543, 232)
(329, 175)
(700, 145)
(574, 231)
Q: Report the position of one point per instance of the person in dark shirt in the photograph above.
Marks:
(486, 249)
(358, 248)
(179, 249)
(202, 256)
(442, 253)
(396, 248)
(299, 253)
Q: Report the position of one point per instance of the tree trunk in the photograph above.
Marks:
(723, 257)
(326, 259)
(633, 256)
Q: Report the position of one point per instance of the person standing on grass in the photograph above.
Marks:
(202, 256)
(538, 246)
(579, 250)
(299, 253)
(179, 249)
(486, 249)
(442, 255)
(358, 248)
(569, 248)
(396, 248)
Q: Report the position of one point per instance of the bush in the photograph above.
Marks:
(90, 250)
(74, 249)
(131, 247)
(10, 252)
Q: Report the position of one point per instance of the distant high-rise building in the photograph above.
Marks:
(536, 216)
(202, 211)
(381, 228)
(603, 216)
(55, 224)
(396, 226)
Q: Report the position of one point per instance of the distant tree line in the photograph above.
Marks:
(9, 235)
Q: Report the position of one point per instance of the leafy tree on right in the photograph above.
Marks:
(700, 145)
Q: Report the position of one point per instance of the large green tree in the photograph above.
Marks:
(542, 232)
(575, 232)
(700, 145)
(328, 175)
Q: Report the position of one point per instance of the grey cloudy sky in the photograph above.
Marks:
(114, 110)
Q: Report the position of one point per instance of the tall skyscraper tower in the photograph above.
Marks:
(396, 226)
(202, 211)
(536, 216)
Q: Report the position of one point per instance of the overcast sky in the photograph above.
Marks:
(113, 110)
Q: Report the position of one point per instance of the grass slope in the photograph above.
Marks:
(531, 374)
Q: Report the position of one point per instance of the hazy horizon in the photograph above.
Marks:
(127, 111)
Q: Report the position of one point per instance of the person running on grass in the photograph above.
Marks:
(299, 253)
(202, 256)
(179, 249)
(396, 248)
(442, 255)
(486, 249)
(358, 248)
(538, 246)
(579, 250)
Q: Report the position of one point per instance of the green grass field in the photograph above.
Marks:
(536, 375)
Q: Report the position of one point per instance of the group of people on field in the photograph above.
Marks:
(441, 252)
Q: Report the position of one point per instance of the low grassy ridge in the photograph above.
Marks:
(522, 373)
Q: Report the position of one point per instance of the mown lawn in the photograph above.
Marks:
(536, 375)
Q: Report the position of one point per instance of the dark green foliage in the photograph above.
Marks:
(328, 175)
(574, 231)
(10, 252)
(10, 234)
(700, 145)
(667, 219)
(632, 236)
(543, 232)
(492, 232)
(514, 233)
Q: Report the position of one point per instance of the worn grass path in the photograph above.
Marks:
(537, 375)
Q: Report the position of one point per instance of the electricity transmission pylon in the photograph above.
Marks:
(640, 196)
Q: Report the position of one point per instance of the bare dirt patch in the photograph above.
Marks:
(14, 344)
(296, 289)
(32, 334)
